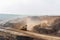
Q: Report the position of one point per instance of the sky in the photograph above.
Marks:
(30, 7)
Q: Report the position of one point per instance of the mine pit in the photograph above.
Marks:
(32, 28)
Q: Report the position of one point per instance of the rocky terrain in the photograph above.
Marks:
(49, 25)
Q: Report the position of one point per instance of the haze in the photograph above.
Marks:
(30, 7)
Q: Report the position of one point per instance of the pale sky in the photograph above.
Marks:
(30, 7)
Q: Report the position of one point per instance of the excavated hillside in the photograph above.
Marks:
(46, 25)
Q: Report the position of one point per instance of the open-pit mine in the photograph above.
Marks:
(31, 28)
